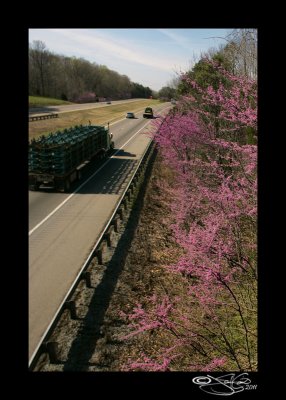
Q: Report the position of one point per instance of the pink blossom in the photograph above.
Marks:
(214, 208)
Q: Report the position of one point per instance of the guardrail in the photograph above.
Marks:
(104, 240)
(43, 116)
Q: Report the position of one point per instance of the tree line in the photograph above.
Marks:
(76, 79)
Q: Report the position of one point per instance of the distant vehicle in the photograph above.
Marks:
(148, 113)
(130, 115)
(108, 102)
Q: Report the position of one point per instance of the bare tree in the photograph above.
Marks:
(242, 49)
(174, 82)
(38, 57)
(72, 78)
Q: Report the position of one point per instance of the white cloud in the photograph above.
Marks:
(178, 39)
(96, 41)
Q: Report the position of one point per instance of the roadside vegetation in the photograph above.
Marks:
(206, 320)
(37, 101)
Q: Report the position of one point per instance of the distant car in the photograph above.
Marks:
(130, 115)
(108, 102)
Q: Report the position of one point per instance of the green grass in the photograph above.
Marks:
(37, 101)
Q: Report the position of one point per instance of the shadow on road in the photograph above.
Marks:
(37, 110)
(123, 153)
(83, 346)
(110, 180)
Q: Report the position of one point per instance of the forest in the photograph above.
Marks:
(77, 80)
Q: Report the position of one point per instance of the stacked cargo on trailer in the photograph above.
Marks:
(58, 159)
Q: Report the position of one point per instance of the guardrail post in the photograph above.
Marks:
(129, 193)
(108, 235)
(116, 223)
(70, 305)
(52, 350)
(125, 203)
(86, 276)
(131, 188)
(100, 252)
(121, 212)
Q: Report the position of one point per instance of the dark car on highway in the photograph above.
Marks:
(130, 115)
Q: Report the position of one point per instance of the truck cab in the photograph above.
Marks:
(148, 113)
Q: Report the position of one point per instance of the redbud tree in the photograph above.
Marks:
(205, 140)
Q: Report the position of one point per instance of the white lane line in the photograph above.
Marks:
(71, 195)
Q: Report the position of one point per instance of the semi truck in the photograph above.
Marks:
(148, 113)
(58, 159)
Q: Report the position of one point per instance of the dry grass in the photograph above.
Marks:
(97, 116)
(144, 274)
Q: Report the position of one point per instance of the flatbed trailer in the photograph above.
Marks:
(59, 159)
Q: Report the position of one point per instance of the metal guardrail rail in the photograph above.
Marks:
(43, 116)
(44, 345)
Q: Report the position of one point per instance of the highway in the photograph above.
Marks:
(75, 107)
(65, 226)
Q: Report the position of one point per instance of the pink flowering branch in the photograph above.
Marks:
(215, 208)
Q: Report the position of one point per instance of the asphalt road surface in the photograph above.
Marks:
(65, 226)
(75, 107)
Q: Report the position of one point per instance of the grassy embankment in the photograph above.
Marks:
(97, 116)
(37, 101)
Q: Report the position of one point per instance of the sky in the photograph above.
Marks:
(151, 57)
